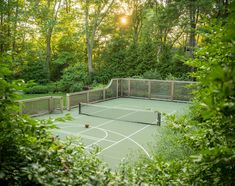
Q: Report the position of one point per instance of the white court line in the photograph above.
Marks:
(79, 116)
(105, 123)
(85, 136)
(106, 134)
(127, 137)
(101, 139)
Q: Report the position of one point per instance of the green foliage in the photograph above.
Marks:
(169, 146)
(123, 59)
(151, 44)
(74, 78)
(38, 89)
(34, 71)
(31, 155)
(152, 74)
(209, 128)
(41, 89)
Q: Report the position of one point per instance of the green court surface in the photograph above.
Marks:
(116, 138)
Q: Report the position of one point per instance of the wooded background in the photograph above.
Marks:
(74, 43)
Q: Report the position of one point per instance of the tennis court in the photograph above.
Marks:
(119, 126)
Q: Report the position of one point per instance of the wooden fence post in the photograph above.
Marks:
(121, 88)
(61, 104)
(149, 89)
(68, 101)
(104, 97)
(172, 85)
(88, 97)
(117, 89)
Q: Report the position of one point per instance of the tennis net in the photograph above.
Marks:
(121, 114)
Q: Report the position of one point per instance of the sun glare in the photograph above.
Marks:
(123, 20)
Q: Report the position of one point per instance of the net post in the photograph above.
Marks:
(149, 89)
(129, 87)
(79, 108)
(172, 85)
(68, 101)
(159, 119)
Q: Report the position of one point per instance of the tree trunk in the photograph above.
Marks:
(49, 35)
(48, 53)
(192, 35)
(14, 32)
(1, 34)
(89, 43)
(89, 57)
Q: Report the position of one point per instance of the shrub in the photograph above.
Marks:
(181, 77)
(38, 89)
(152, 74)
(76, 87)
(34, 71)
(33, 88)
(31, 155)
(74, 78)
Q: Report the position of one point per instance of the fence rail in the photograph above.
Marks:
(91, 96)
(138, 88)
(121, 87)
(41, 105)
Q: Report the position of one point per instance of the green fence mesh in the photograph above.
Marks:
(96, 95)
(41, 105)
(143, 88)
(161, 90)
(139, 88)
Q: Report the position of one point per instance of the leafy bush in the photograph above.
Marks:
(31, 155)
(41, 89)
(170, 77)
(182, 77)
(169, 146)
(209, 128)
(76, 87)
(38, 89)
(34, 71)
(102, 76)
(74, 78)
(152, 74)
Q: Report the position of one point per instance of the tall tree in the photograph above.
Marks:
(46, 17)
(95, 12)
